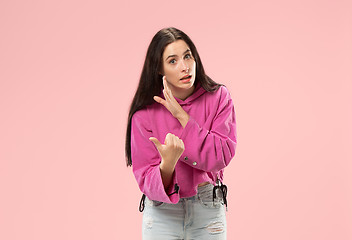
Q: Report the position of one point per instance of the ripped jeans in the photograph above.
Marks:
(196, 217)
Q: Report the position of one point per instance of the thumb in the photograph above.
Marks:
(160, 100)
(156, 142)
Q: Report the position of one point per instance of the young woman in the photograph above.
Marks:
(181, 134)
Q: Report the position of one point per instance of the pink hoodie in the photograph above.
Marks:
(210, 140)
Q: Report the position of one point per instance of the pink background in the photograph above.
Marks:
(68, 72)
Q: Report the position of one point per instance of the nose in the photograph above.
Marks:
(184, 66)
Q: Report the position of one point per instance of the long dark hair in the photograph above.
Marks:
(150, 82)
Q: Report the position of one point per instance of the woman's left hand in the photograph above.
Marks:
(172, 105)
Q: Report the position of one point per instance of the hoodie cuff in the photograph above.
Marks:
(171, 195)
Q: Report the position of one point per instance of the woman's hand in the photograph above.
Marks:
(170, 151)
(172, 105)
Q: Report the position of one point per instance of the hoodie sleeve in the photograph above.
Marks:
(212, 149)
(146, 160)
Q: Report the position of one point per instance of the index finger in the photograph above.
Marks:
(164, 82)
(166, 87)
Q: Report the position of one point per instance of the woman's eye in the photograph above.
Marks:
(189, 55)
(172, 61)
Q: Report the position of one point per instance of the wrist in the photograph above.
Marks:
(183, 118)
(166, 167)
(180, 114)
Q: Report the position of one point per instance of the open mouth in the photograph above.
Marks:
(186, 78)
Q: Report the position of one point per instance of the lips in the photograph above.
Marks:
(186, 77)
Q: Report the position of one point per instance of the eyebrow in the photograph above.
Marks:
(176, 55)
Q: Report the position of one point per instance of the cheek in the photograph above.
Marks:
(170, 72)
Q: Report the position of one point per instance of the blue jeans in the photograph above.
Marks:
(196, 217)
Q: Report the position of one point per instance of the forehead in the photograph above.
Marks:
(175, 48)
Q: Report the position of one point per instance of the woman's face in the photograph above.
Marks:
(178, 63)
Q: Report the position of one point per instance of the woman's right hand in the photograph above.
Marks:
(170, 151)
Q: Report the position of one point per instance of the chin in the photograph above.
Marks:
(189, 87)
